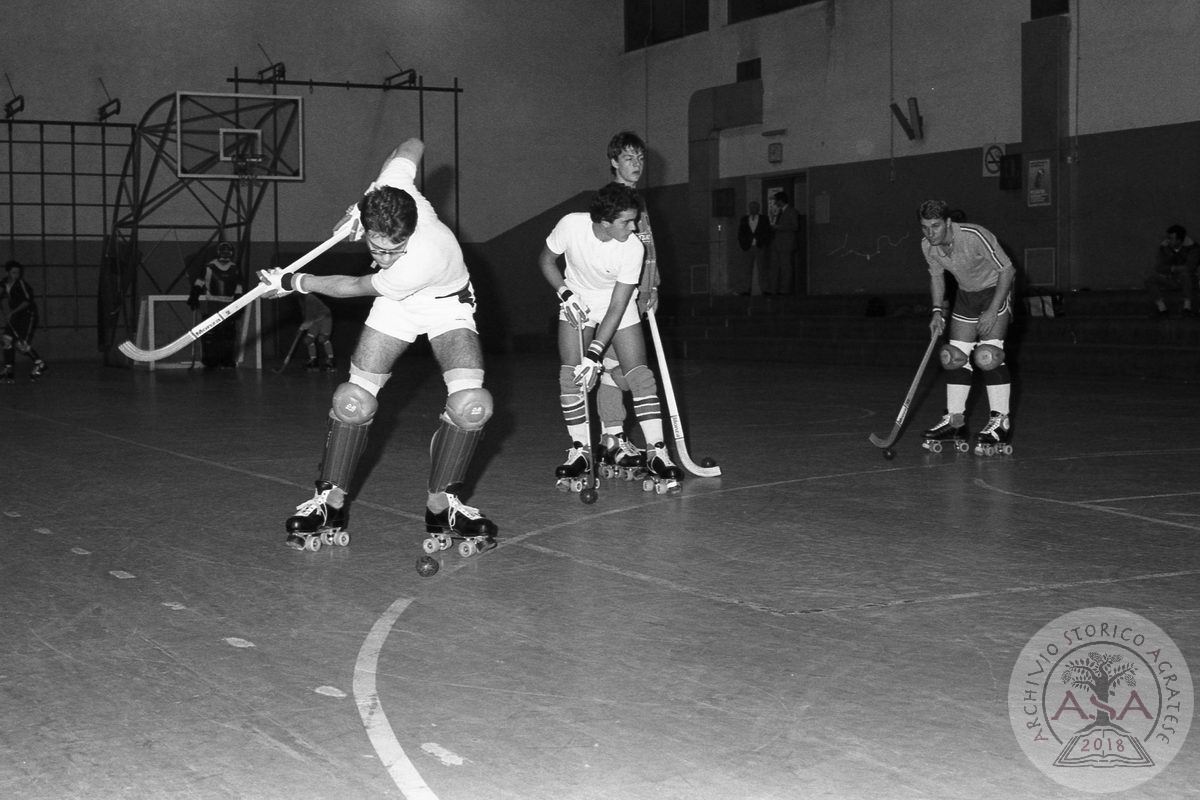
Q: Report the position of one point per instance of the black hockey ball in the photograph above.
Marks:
(708, 462)
(588, 496)
(889, 453)
(427, 567)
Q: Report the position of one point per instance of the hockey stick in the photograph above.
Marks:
(908, 398)
(590, 494)
(136, 353)
(292, 349)
(676, 426)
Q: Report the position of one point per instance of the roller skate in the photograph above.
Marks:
(951, 430)
(39, 369)
(574, 474)
(6, 374)
(995, 436)
(312, 365)
(317, 523)
(329, 366)
(459, 522)
(662, 476)
(619, 458)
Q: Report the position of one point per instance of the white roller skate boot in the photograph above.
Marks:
(995, 437)
(574, 473)
(662, 476)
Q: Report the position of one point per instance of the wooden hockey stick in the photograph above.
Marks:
(136, 353)
(908, 398)
(673, 408)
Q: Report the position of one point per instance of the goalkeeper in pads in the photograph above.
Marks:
(421, 288)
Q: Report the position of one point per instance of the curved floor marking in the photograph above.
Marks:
(379, 731)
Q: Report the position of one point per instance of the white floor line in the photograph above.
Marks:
(404, 774)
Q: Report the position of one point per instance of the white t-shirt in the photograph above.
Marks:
(593, 266)
(433, 264)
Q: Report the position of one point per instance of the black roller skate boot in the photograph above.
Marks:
(661, 476)
(316, 522)
(574, 473)
(39, 369)
(312, 365)
(619, 458)
(460, 522)
(951, 430)
(995, 437)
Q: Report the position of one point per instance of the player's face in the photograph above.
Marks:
(384, 251)
(629, 166)
(935, 231)
(622, 226)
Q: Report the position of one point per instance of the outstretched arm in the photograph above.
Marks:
(410, 149)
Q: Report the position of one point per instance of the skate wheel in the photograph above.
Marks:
(588, 496)
(935, 447)
(647, 485)
(577, 485)
(962, 447)
(444, 541)
(312, 543)
(467, 549)
(660, 488)
(341, 538)
(430, 546)
(327, 538)
(1006, 449)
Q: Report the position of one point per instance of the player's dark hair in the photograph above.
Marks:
(611, 200)
(782, 198)
(389, 212)
(619, 143)
(12, 262)
(934, 209)
(1178, 230)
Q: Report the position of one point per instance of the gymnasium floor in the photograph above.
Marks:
(817, 623)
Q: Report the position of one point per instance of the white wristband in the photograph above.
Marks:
(297, 285)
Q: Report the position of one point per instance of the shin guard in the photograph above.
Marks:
(450, 452)
(344, 446)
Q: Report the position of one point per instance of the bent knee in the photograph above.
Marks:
(641, 381)
(469, 409)
(353, 405)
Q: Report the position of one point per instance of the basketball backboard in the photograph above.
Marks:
(239, 136)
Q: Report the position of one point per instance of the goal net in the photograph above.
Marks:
(163, 318)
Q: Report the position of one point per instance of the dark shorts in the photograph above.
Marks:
(969, 305)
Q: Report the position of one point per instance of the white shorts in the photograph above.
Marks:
(596, 312)
(417, 314)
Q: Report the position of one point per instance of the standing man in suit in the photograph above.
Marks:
(786, 223)
(754, 237)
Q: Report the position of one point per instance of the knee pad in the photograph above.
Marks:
(617, 376)
(353, 405)
(469, 409)
(951, 357)
(989, 355)
(641, 381)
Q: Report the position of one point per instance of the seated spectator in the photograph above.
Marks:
(1175, 271)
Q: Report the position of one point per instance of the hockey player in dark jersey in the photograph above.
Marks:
(17, 334)
(219, 285)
